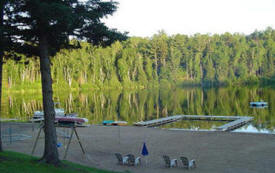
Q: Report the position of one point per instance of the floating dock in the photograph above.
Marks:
(235, 121)
(158, 122)
(234, 124)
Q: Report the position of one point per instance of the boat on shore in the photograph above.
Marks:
(114, 123)
(71, 120)
(59, 112)
(107, 122)
(38, 116)
(119, 123)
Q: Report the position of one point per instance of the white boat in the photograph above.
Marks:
(40, 114)
(259, 104)
(119, 123)
(114, 123)
(59, 112)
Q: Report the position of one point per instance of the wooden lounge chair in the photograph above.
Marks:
(170, 163)
(188, 164)
(132, 161)
(121, 160)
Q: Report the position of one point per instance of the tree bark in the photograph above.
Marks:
(1, 64)
(50, 149)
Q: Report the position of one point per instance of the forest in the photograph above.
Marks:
(161, 60)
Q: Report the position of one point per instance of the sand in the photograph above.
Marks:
(214, 152)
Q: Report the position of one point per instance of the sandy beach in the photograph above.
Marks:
(214, 152)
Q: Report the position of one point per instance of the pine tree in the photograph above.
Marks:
(1, 61)
(42, 27)
(4, 46)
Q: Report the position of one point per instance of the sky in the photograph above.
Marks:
(146, 17)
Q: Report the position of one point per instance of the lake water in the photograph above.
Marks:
(141, 105)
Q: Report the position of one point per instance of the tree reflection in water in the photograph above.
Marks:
(138, 105)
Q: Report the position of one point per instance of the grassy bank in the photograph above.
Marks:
(12, 162)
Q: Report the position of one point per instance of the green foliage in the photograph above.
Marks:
(147, 62)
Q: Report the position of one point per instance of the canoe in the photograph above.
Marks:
(107, 122)
(119, 123)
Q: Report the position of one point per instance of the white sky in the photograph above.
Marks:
(147, 17)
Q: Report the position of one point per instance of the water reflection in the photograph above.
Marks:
(251, 129)
(195, 124)
(133, 106)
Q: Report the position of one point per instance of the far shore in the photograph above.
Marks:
(214, 152)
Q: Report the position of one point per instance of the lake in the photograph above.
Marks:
(141, 105)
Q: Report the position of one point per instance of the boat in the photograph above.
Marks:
(71, 120)
(119, 123)
(40, 114)
(107, 122)
(259, 104)
(114, 123)
(59, 112)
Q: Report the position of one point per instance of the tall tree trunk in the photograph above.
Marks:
(2, 2)
(1, 65)
(50, 150)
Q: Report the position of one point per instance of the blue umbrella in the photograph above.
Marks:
(144, 150)
(59, 144)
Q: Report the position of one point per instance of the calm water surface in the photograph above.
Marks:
(133, 106)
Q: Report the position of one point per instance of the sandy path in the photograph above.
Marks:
(214, 151)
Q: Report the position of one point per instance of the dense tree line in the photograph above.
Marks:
(161, 59)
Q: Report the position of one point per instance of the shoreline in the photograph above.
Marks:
(14, 121)
(213, 151)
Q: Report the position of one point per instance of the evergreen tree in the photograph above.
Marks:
(42, 28)
(4, 46)
(2, 4)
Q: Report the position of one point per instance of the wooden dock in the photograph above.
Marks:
(158, 122)
(234, 124)
(235, 121)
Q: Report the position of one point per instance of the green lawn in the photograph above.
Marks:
(12, 162)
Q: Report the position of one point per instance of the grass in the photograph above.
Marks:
(12, 162)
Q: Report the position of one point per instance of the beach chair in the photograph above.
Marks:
(170, 163)
(132, 161)
(121, 160)
(188, 164)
